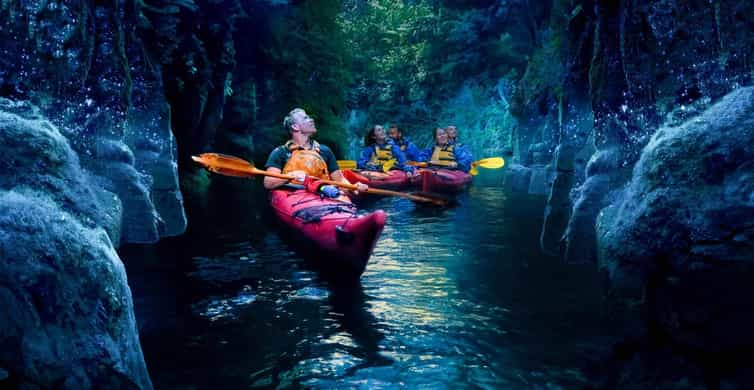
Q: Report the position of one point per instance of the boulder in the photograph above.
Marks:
(677, 244)
(67, 316)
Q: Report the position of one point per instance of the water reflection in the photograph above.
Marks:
(456, 297)
(350, 308)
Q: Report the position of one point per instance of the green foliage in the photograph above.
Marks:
(544, 75)
(390, 42)
(410, 57)
(312, 62)
(545, 68)
(401, 60)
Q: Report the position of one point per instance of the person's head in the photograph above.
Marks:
(395, 132)
(379, 134)
(452, 132)
(441, 136)
(376, 134)
(298, 121)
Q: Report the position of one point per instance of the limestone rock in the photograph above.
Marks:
(66, 316)
(679, 241)
(542, 178)
(517, 178)
(36, 155)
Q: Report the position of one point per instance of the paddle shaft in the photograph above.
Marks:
(352, 187)
(489, 163)
(484, 163)
(247, 169)
(351, 164)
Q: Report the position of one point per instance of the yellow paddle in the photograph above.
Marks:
(238, 167)
(351, 164)
(347, 164)
(487, 163)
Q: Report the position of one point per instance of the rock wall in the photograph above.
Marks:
(650, 182)
(623, 69)
(85, 68)
(651, 62)
(677, 245)
(67, 316)
(90, 163)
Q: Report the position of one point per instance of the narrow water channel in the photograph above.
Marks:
(452, 298)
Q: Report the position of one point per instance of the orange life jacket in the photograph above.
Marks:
(307, 160)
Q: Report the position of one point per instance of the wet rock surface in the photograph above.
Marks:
(676, 245)
(67, 316)
(89, 163)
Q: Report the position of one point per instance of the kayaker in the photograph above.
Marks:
(408, 148)
(460, 149)
(452, 134)
(378, 150)
(443, 154)
(305, 158)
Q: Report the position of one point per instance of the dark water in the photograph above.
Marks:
(451, 298)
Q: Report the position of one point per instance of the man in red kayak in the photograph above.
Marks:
(305, 159)
(444, 154)
(407, 147)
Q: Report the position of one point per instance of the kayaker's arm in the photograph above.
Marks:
(273, 182)
(463, 157)
(399, 156)
(412, 151)
(425, 154)
(275, 163)
(364, 157)
(338, 176)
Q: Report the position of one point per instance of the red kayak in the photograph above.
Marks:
(442, 180)
(391, 180)
(333, 226)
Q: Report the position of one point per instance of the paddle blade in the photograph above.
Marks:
(473, 171)
(346, 164)
(225, 164)
(490, 163)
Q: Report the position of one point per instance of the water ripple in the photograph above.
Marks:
(451, 298)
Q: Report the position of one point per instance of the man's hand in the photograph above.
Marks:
(360, 187)
(299, 176)
(330, 191)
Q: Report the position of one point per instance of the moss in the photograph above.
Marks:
(122, 60)
(544, 77)
(597, 70)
